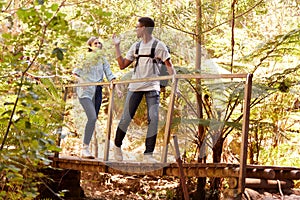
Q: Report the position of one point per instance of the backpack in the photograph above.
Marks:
(156, 62)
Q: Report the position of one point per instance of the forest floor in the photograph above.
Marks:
(102, 186)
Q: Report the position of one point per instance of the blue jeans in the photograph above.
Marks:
(98, 98)
(91, 109)
(133, 100)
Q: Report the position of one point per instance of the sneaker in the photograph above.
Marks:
(118, 153)
(149, 158)
(85, 153)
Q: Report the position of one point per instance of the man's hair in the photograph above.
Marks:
(148, 23)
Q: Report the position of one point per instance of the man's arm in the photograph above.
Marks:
(171, 70)
(170, 67)
(123, 62)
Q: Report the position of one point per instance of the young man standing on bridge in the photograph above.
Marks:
(144, 68)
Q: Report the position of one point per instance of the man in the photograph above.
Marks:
(144, 68)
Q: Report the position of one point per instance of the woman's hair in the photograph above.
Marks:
(91, 41)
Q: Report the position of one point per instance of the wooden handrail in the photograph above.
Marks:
(170, 77)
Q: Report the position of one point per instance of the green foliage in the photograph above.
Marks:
(285, 154)
(41, 41)
(32, 105)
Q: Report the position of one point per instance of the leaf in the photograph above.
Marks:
(28, 124)
(59, 53)
(54, 7)
(41, 2)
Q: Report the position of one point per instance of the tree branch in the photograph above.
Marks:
(225, 22)
(24, 73)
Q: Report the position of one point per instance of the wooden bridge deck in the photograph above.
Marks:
(222, 170)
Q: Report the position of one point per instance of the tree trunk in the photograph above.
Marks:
(201, 182)
(216, 182)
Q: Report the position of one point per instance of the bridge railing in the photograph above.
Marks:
(167, 132)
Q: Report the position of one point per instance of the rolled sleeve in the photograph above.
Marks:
(77, 71)
(108, 73)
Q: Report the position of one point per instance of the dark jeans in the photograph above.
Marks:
(91, 109)
(133, 100)
(98, 98)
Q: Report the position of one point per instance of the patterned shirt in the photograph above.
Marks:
(92, 70)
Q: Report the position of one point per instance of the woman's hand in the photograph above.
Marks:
(119, 92)
(112, 85)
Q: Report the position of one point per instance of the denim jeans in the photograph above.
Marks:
(98, 98)
(132, 102)
(91, 109)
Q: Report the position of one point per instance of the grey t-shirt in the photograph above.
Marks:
(144, 69)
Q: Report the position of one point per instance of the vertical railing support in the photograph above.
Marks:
(59, 130)
(180, 167)
(169, 121)
(109, 122)
(245, 129)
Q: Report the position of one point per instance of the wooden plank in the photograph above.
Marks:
(288, 174)
(268, 184)
(276, 168)
(260, 173)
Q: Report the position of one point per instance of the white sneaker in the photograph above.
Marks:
(85, 153)
(148, 158)
(118, 153)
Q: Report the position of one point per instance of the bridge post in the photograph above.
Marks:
(59, 130)
(245, 130)
(180, 168)
(109, 122)
(169, 122)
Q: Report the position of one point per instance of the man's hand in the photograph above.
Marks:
(116, 40)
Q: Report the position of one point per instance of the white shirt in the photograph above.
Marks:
(144, 69)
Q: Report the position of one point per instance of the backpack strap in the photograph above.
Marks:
(154, 44)
(152, 54)
(137, 47)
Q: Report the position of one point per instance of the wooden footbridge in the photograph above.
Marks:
(236, 173)
(220, 170)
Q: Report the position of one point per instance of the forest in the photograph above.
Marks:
(42, 41)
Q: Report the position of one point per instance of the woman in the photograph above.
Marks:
(94, 66)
